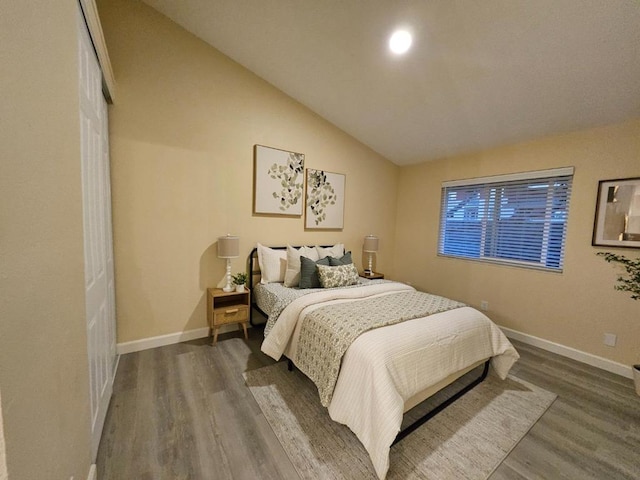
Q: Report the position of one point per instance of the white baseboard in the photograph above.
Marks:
(579, 355)
(93, 473)
(169, 339)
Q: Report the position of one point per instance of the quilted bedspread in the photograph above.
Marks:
(328, 331)
(384, 367)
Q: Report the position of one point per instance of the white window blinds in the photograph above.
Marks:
(518, 219)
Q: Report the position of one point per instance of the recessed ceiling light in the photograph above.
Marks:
(400, 41)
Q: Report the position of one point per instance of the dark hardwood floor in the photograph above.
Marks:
(183, 412)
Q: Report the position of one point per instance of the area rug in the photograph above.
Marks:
(468, 440)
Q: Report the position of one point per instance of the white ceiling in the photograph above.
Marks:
(479, 74)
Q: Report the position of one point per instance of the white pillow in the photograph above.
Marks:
(336, 251)
(273, 264)
(292, 274)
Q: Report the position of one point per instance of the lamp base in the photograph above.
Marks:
(228, 287)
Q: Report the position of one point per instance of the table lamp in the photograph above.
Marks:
(370, 247)
(228, 247)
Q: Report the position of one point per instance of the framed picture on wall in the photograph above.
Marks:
(324, 200)
(617, 222)
(278, 181)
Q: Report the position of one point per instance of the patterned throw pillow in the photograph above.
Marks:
(339, 276)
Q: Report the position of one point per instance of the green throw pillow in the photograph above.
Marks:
(309, 272)
(344, 260)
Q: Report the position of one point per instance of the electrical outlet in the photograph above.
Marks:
(610, 339)
(484, 305)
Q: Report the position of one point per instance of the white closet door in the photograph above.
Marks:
(98, 244)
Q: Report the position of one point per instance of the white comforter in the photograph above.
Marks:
(386, 366)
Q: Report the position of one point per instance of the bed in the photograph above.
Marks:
(368, 379)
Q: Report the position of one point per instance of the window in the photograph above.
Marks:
(518, 219)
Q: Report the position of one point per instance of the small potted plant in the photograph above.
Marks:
(239, 280)
(631, 284)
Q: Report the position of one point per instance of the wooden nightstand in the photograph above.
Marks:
(372, 275)
(225, 308)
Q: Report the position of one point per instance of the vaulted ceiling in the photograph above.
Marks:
(479, 74)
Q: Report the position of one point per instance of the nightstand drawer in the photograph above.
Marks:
(231, 314)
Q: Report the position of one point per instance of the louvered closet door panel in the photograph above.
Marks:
(111, 291)
(98, 247)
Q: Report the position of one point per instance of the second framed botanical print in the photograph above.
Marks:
(325, 200)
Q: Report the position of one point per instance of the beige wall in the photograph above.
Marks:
(574, 308)
(43, 357)
(182, 134)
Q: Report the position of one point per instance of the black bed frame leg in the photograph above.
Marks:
(429, 415)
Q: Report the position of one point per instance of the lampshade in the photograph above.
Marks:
(370, 243)
(228, 247)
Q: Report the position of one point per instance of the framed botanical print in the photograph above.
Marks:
(278, 182)
(324, 200)
(617, 222)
